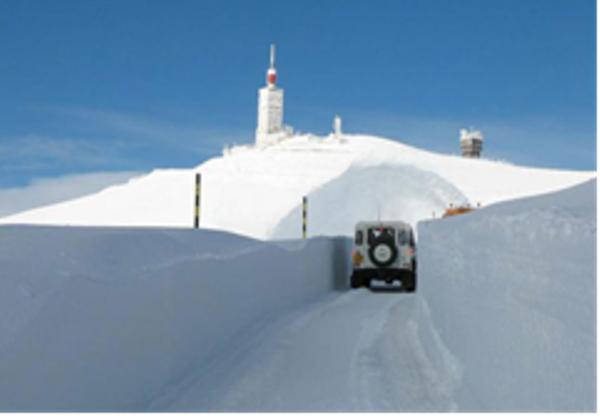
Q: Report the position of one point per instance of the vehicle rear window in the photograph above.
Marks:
(380, 233)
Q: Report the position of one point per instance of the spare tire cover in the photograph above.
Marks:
(383, 253)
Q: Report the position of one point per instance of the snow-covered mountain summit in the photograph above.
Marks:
(258, 191)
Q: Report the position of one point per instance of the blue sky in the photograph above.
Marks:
(131, 85)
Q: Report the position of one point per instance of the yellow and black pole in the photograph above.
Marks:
(304, 215)
(197, 202)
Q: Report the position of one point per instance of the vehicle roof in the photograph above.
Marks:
(394, 224)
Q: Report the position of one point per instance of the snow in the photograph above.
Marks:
(117, 319)
(386, 192)
(48, 191)
(518, 304)
(258, 192)
(370, 363)
(148, 318)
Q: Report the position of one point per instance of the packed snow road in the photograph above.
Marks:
(356, 351)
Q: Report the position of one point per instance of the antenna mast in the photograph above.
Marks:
(273, 56)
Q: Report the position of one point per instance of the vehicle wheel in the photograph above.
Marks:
(410, 282)
(355, 281)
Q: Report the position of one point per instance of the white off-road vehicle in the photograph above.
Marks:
(384, 251)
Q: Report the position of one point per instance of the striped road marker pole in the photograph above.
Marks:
(304, 216)
(197, 202)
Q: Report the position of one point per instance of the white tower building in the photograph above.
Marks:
(471, 143)
(270, 109)
(337, 128)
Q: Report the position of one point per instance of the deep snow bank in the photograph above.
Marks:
(113, 319)
(371, 193)
(512, 294)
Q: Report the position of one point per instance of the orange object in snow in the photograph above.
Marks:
(457, 211)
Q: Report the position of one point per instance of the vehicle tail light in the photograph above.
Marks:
(357, 258)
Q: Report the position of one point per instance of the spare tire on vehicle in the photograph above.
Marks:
(383, 253)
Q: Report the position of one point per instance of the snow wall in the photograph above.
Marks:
(117, 319)
(362, 193)
(511, 292)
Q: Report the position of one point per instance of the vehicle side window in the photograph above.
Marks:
(359, 238)
(412, 239)
(402, 238)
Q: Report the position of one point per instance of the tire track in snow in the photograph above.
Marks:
(419, 373)
(344, 353)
